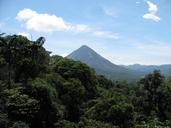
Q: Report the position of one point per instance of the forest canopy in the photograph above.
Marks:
(38, 90)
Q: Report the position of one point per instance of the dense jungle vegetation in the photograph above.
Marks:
(42, 91)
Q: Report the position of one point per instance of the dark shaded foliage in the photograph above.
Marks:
(42, 91)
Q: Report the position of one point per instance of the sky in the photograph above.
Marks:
(123, 31)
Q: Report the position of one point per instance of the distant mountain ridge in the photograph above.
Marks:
(103, 66)
(165, 68)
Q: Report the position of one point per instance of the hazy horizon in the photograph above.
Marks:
(124, 32)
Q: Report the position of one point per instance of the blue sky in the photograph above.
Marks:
(123, 31)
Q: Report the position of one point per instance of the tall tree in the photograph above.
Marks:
(8, 48)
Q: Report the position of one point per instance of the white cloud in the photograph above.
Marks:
(24, 34)
(137, 2)
(152, 7)
(47, 23)
(26, 14)
(42, 22)
(152, 10)
(151, 16)
(106, 34)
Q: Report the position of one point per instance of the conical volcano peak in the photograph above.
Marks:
(85, 47)
(101, 65)
(84, 52)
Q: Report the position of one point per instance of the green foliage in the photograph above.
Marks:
(66, 124)
(154, 124)
(20, 106)
(84, 123)
(74, 69)
(112, 108)
(152, 98)
(54, 59)
(47, 97)
(4, 121)
(24, 59)
(42, 91)
(121, 115)
(20, 124)
(89, 123)
(72, 98)
(104, 82)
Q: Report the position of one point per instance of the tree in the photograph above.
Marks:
(47, 97)
(72, 97)
(20, 106)
(8, 48)
(33, 60)
(104, 82)
(113, 108)
(74, 69)
(154, 123)
(20, 124)
(150, 96)
(25, 59)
